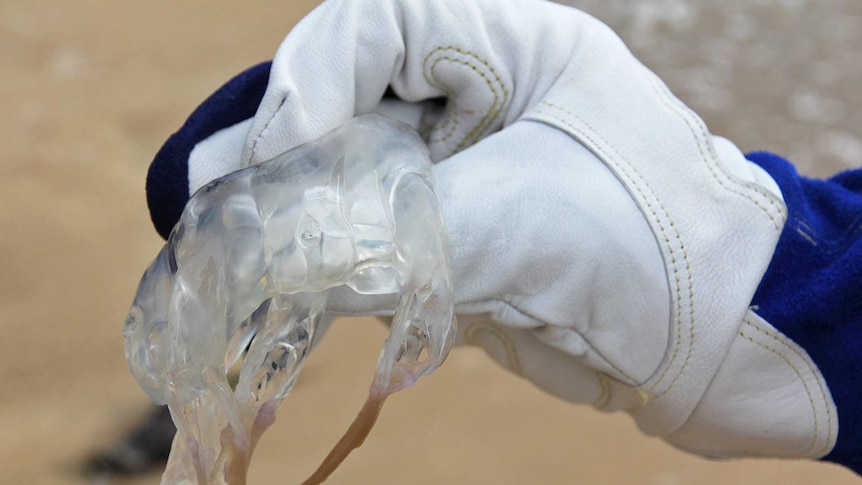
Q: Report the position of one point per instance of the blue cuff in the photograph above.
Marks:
(168, 176)
(812, 290)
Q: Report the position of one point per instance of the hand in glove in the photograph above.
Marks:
(603, 244)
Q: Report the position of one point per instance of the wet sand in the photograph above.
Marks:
(90, 90)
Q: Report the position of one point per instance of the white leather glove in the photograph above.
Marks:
(603, 244)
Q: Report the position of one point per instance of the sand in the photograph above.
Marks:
(89, 90)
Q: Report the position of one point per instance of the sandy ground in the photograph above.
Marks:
(89, 90)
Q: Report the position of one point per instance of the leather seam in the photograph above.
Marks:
(501, 95)
(263, 130)
(811, 370)
(698, 130)
(627, 169)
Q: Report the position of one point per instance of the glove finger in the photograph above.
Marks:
(490, 59)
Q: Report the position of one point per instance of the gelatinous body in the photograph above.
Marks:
(251, 264)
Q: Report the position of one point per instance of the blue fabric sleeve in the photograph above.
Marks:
(812, 290)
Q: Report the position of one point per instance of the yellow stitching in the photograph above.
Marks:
(502, 85)
(622, 167)
(497, 106)
(626, 169)
(450, 95)
(664, 232)
(451, 112)
(469, 138)
(798, 374)
(692, 318)
(645, 399)
(682, 111)
(511, 353)
(665, 97)
(814, 372)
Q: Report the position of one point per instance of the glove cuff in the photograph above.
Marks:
(716, 231)
(168, 187)
(768, 399)
(811, 290)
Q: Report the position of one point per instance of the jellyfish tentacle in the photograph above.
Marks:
(422, 330)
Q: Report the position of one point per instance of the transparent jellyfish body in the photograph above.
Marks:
(257, 257)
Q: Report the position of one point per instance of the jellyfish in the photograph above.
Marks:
(251, 270)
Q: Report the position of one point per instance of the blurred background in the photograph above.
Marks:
(89, 90)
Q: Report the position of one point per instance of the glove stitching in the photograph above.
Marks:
(451, 116)
(710, 156)
(798, 374)
(493, 112)
(263, 130)
(512, 357)
(626, 169)
(811, 368)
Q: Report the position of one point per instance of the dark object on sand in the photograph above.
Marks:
(144, 449)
